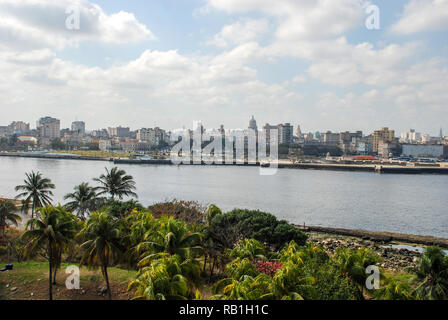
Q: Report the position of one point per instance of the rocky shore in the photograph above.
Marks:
(396, 255)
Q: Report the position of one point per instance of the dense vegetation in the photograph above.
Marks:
(181, 250)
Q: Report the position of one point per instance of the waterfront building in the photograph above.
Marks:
(79, 127)
(382, 135)
(387, 149)
(423, 151)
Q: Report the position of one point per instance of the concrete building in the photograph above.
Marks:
(48, 128)
(152, 136)
(411, 136)
(119, 132)
(387, 149)
(332, 139)
(382, 135)
(19, 128)
(79, 127)
(286, 133)
(423, 151)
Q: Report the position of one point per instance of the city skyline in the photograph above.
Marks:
(167, 64)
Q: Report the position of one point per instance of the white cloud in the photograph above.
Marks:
(423, 15)
(240, 32)
(35, 24)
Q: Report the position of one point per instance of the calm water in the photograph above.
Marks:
(416, 204)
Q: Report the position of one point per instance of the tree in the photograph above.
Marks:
(353, 264)
(101, 247)
(37, 189)
(52, 231)
(116, 183)
(432, 273)
(7, 215)
(82, 200)
(173, 238)
(169, 278)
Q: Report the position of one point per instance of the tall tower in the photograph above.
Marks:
(441, 133)
(253, 124)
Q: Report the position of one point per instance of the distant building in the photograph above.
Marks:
(253, 124)
(119, 132)
(299, 132)
(152, 136)
(19, 128)
(385, 135)
(285, 133)
(387, 149)
(79, 127)
(48, 129)
(32, 140)
(332, 139)
(423, 150)
(411, 136)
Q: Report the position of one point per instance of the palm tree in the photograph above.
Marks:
(7, 217)
(116, 183)
(353, 264)
(82, 200)
(7, 209)
(173, 238)
(102, 237)
(51, 231)
(169, 278)
(394, 289)
(432, 272)
(37, 189)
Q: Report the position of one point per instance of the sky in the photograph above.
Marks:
(324, 64)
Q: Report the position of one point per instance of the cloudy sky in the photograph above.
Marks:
(166, 63)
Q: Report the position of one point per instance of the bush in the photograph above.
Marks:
(229, 228)
(189, 211)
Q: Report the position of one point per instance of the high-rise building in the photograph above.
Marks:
(49, 128)
(285, 132)
(253, 124)
(119, 132)
(19, 128)
(382, 135)
(79, 127)
(298, 132)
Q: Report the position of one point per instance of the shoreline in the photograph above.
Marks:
(378, 237)
(382, 168)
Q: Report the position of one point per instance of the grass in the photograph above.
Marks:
(31, 282)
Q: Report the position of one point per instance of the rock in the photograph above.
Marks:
(7, 286)
(32, 294)
(415, 260)
(13, 289)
